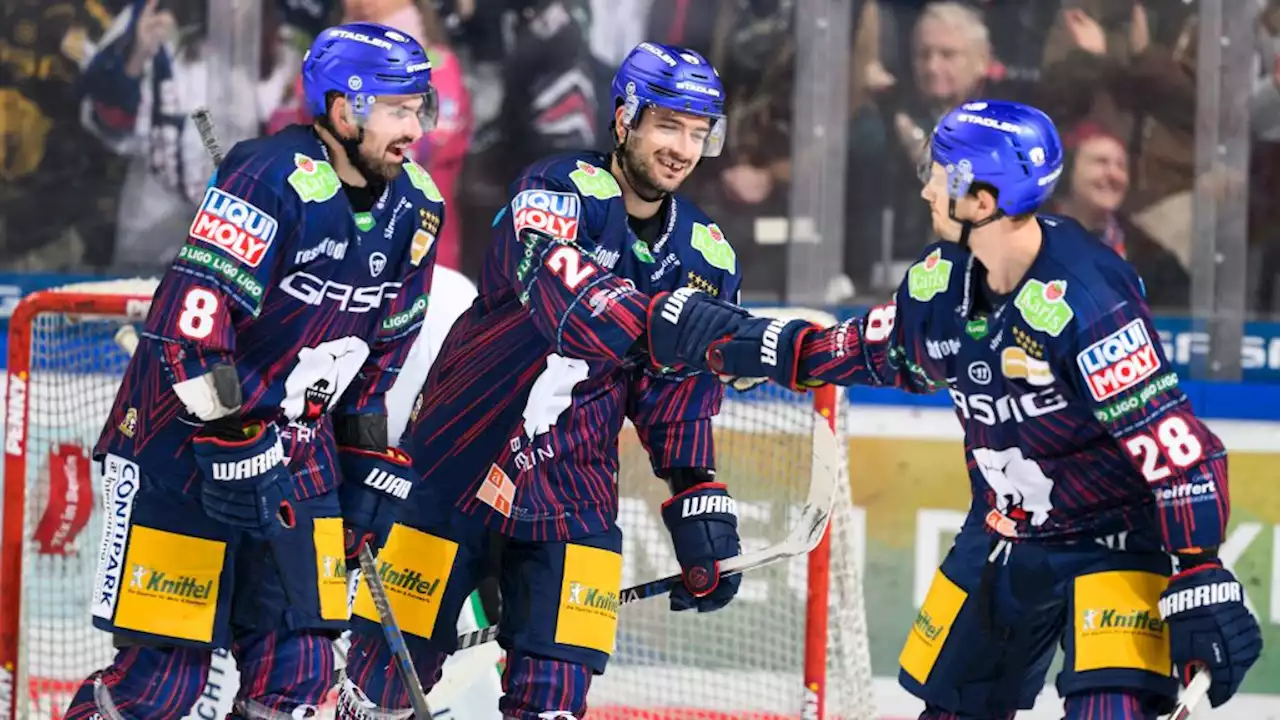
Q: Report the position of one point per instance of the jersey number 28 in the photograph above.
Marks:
(1174, 440)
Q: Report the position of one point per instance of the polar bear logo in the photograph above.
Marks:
(320, 377)
(1018, 482)
(552, 393)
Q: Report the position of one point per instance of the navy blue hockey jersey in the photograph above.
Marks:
(518, 422)
(315, 305)
(1074, 423)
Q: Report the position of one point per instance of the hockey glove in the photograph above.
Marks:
(689, 326)
(373, 486)
(1210, 626)
(703, 523)
(245, 478)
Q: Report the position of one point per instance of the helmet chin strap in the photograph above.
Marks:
(967, 226)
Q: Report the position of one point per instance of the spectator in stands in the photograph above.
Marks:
(150, 71)
(1092, 189)
(951, 62)
(57, 197)
(443, 150)
(1137, 78)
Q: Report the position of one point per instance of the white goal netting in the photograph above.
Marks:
(745, 662)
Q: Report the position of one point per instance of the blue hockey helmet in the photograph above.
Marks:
(362, 61)
(673, 78)
(1012, 147)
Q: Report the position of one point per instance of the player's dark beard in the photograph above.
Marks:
(638, 175)
(374, 169)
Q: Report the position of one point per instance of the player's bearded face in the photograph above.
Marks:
(662, 149)
(391, 128)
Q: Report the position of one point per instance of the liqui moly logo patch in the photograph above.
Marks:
(236, 226)
(553, 213)
(1119, 361)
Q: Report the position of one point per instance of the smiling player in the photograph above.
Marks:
(516, 430)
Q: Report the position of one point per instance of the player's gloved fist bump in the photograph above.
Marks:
(692, 327)
(245, 478)
(703, 523)
(1209, 625)
(374, 483)
(683, 324)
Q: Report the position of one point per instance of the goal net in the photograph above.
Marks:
(793, 644)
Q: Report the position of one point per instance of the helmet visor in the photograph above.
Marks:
(397, 108)
(712, 140)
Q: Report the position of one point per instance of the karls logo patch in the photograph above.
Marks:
(236, 226)
(1119, 361)
(929, 277)
(553, 213)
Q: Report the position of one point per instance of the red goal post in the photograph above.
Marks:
(61, 363)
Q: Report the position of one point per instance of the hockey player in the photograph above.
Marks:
(1087, 464)
(515, 433)
(251, 425)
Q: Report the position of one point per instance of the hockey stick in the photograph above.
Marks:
(391, 631)
(804, 537)
(1195, 692)
(204, 125)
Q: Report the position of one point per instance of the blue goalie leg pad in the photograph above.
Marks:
(283, 673)
(1112, 705)
(371, 668)
(538, 687)
(143, 682)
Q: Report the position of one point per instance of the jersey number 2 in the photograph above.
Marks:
(198, 308)
(567, 263)
(1179, 445)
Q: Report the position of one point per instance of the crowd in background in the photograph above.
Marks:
(100, 169)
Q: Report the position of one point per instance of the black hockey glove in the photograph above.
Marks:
(245, 478)
(691, 327)
(374, 484)
(703, 522)
(1210, 626)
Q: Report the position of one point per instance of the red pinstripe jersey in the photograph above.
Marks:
(519, 419)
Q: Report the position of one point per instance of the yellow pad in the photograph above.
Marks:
(331, 569)
(931, 628)
(170, 585)
(589, 598)
(415, 569)
(1117, 622)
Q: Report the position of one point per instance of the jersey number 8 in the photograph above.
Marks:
(198, 308)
